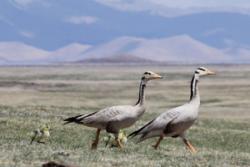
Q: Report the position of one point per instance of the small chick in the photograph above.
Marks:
(123, 137)
(110, 139)
(41, 135)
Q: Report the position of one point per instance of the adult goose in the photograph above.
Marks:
(174, 122)
(114, 118)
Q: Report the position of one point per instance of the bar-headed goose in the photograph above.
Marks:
(114, 118)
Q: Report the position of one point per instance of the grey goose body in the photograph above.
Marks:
(113, 118)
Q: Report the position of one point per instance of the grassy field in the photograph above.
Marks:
(33, 96)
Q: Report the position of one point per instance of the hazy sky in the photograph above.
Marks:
(171, 8)
(51, 24)
(167, 8)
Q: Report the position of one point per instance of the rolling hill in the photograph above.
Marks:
(68, 53)
(20, 53)
(16, 53)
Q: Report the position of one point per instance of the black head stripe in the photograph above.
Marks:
(202, 69)
(146, 73)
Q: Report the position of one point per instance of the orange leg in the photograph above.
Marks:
(189, 146)
(119, 144)
(118, 141)
(96, 141)
(158, 142)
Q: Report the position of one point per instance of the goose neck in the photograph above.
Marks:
(194, 88)
(141, 97)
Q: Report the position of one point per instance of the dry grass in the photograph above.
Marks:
(33, 96)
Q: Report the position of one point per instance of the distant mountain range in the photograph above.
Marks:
(177, 49)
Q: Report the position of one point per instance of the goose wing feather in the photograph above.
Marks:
(157, 125)
(163, 120)
(114, 113)
(183, 116)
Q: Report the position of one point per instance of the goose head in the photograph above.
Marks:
(149, 75)
(202, 71)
